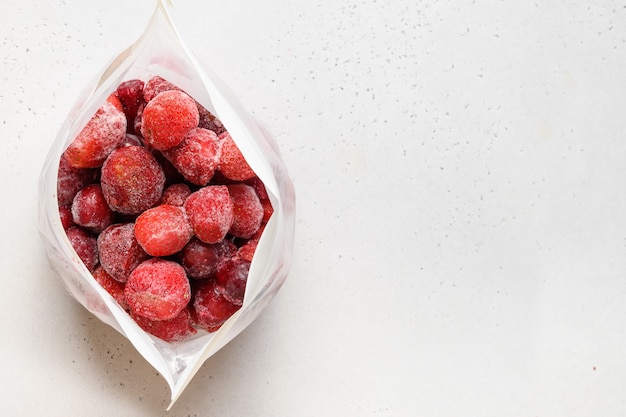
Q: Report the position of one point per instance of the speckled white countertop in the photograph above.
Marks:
(461, 216)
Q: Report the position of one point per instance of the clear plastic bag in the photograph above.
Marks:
(160, 52)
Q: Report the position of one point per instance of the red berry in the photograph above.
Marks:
(85, 246)
(130, 94)
(259, 187)
(71, 180)
(112, 286)
(157, 289)
(232, 276)
(102, 134)
(211, 308)
(232, 163)
(176, 194)
(196, 156)
(259, 232)
(246, 251)
(132, 180)
(210, 211)
(167, 118)
(115, 101)
(119, 251)
(155, 86)
(163, 230)
(201, 260)
(65, 213)
(268, 210)
(209, 121)
(247, 210)
(172, 330)
(90, 210)
(138, 118)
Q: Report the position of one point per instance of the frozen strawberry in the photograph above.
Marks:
(211, 308)
(138, 118)
(71, 180)
(167, 118)
(268, 210)
(115, 101)
(209, 121)
(210, 211)
(232, 163)
(261, 191)
(196, 156)
(246, 251)
(156, 85)
(259, 232)
(172, 330)
(65, 214)
(90, 210)
(102, 134)
(132, 180)
(247, 210)
(119, 251)
(259, 187)
(163, 230)
(130, 94)
(201, 260)
(112, 286)
(176, 194)
(157, 289)
(231, 277)
(85, 246)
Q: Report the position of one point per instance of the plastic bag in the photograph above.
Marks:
(160, 52)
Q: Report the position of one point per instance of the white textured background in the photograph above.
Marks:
(461, 228)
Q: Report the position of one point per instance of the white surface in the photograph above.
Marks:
(461, 235)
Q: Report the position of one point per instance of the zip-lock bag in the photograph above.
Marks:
(160, 52)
